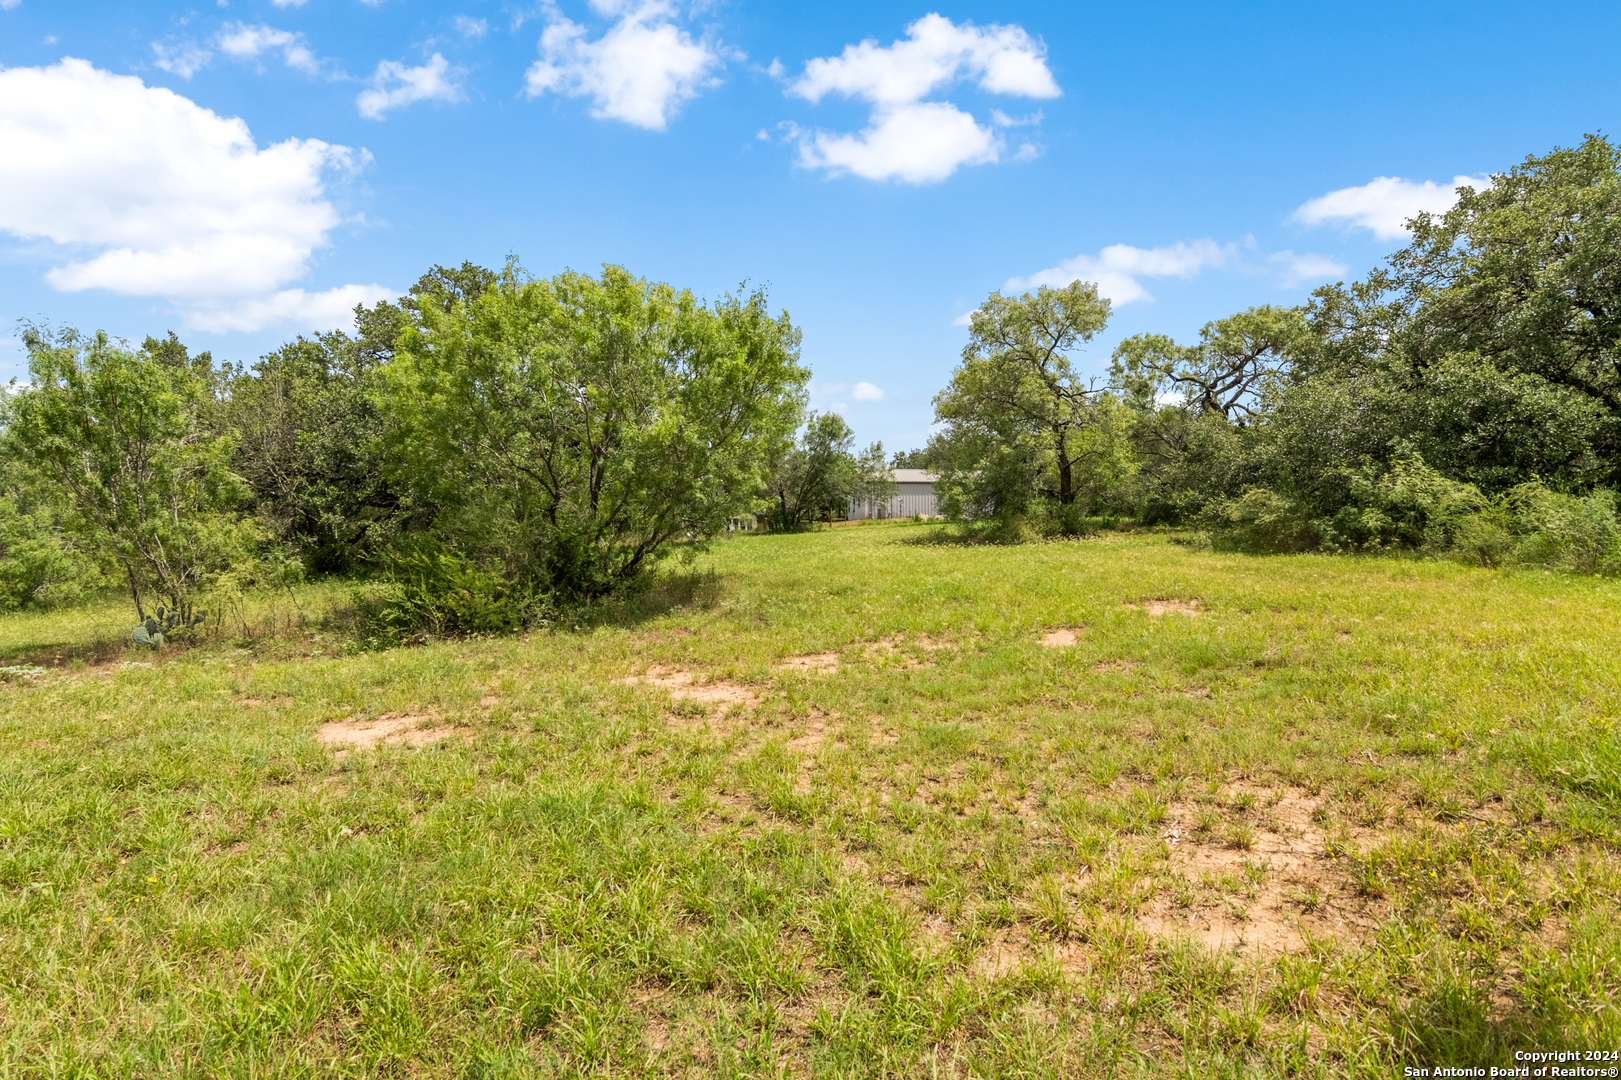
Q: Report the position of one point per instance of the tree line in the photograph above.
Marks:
(1463, 398)
(493, 443)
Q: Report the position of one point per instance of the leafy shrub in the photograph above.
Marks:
(1413, 506)
(39, 567)
(1566, 531)
(1262, 518)
(435, 589)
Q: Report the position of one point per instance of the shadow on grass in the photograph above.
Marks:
(100, 650)
(1001, 534)
(656, 597)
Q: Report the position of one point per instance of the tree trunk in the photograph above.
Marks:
(135, 593)
(1066, 483)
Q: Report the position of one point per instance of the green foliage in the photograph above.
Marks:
(570, 430)
(1412, 505)
(1524, 272)
(432, 589)
(120, 437)
(1224, 374)
(40, 565)
(308, 440)
(819, 475)
(1465, 399)
(1021, 426)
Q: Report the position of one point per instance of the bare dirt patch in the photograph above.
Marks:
(1156, 608)
(1265, 899)
(817, 663)
(685, 686)
(406, 729)
(1062, 638)
(816, 734)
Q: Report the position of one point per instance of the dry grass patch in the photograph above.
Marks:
(1062, 638)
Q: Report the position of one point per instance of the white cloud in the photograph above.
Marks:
(1299, 269)
(247, 42)
(935, 53)
(238, 40)
(182, 58)
(639, 71)
(470, 27)
(920, 144)
(288, 3)
(1002, 119)
(327, 310)
(907, 138)
(156, 196)
(7, 5)
(1116, 269)
(866, 391)
(394, 85)
(1385, 204)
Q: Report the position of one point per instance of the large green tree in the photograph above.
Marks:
(121, 436)
(569, 429)
(820, 474)
(309, 442)
(1018, 418)
(1491, 343)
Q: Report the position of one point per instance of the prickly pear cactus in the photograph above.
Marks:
(161, 623)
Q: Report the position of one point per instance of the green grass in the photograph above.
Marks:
(1356, 813)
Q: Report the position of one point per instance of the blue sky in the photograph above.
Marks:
(243, 170)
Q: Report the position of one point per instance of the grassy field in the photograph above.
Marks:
(865, 805)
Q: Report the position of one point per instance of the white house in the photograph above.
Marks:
(914, 494)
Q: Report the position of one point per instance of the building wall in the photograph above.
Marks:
(909, 499)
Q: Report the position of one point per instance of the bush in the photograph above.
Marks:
(433, 589)
(1261, 518)
(39, 567)
(1566, 531)
(1413, 506)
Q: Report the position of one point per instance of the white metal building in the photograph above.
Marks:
(914, 494)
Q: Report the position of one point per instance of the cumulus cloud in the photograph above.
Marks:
(394, 85)
(907, 138)
(248, 42)
(1116, 269)
(154, 195)
(920, 144)
(640, 71)
(866, 391)
(1385, 204)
